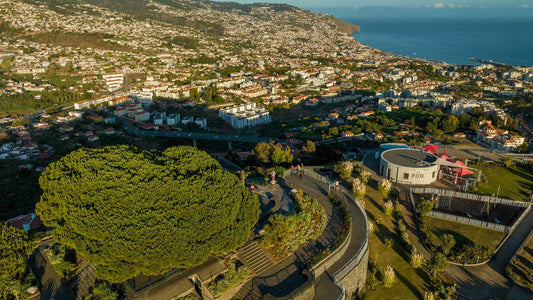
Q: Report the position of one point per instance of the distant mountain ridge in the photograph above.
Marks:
(143, 9)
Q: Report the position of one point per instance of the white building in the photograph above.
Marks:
(409, 166)
(113, 81)
(245, 115)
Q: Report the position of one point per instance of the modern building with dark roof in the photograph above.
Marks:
(409, 166)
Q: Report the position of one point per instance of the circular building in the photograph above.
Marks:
(409, 166)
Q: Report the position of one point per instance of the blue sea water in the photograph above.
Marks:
(453, 40)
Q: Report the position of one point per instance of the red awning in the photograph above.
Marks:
(445, 157)
(431, 148)
(462, 171)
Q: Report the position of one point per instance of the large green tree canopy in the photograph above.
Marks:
(15, 246)
(130, 211)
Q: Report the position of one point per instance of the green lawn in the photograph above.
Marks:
(410, 283)
(465, 234)
(515, 183)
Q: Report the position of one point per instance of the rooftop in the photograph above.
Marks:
(409, 157)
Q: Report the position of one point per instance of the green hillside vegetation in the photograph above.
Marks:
(285, 234)
(72, 39)
(130, 211)
(15, 246)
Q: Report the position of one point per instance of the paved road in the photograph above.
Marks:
(488, 281)
(197, 135)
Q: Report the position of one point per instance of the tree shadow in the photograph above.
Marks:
(410, 286)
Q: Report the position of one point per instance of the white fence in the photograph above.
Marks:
(469, 221)
(469, 196)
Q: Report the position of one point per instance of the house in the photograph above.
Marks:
(312, 102)
(26, 222)
(347, 134)
(109, 130)
(64, 137)
(65, 128)
(92, 138)
(460, 135)
(142, 116)
(187, 120)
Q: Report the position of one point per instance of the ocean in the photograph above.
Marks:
(452, 40)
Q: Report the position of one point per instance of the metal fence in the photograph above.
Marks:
(470, 221)
(358, 256)
(469, 196)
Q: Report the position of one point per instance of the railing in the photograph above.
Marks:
(469, 196)
(469, 221)
(356, 259)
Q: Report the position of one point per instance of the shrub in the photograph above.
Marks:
(472, 254)
(425, 207)
(401, 226)
(438, 263)
(389, 276)
(405, 238)
(416, 259)
(285, 234)
(447, 241)
(370, 226)
(63, 259)
(387, 208)
(372, 279)
(358, 188)
(235, 275)
(398, 208)
(384, 187)
(365, 175)
(345, 170)
(388, 243)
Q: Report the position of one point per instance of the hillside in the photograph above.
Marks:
(233, 27)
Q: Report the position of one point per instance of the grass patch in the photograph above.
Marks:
(386, 249)
(515, 183)
(466, 234)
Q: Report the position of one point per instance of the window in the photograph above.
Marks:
(405, 176)
(388, 173)
(434, 174)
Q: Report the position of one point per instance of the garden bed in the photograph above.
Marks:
(520, 268)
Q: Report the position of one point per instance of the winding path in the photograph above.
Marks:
(288, 275)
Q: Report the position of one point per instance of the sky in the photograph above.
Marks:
(522, 4)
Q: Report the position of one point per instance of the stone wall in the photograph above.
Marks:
(354, 282)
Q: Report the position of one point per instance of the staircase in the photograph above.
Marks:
(255, 258)
(247, 293)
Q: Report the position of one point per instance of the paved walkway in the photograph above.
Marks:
(287, 275)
